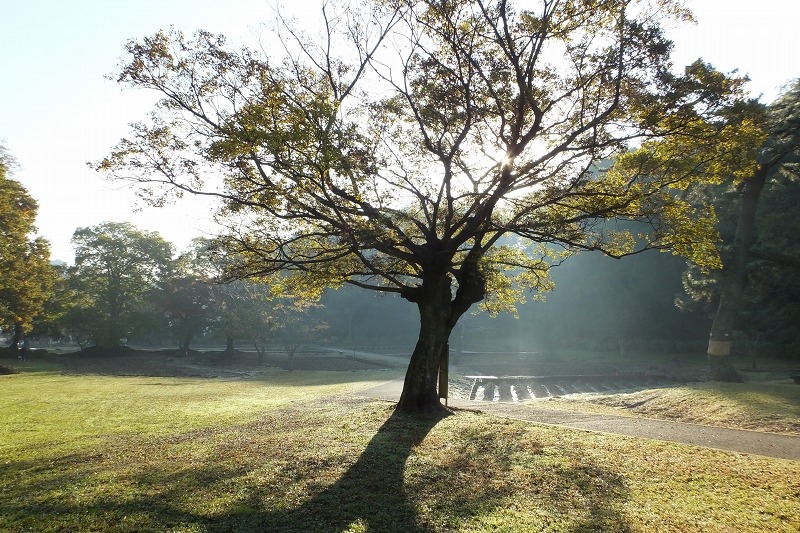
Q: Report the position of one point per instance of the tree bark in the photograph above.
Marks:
(720, 341)
(721, 336)
(420, 388)
(15, 339)
(439, 312)
(187, 339)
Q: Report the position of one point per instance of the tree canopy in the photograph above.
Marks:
(766, 154)
(450, 151)
(116, 269)
(26, 276)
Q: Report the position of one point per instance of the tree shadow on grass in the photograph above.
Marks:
(43, 495)
(46, 495)
(377, 494)
(451, 481)
(371, 494)
(497, 475)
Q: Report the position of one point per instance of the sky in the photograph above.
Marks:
(58, 110)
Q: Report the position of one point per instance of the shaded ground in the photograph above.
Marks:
(171, 363)
(5, 370)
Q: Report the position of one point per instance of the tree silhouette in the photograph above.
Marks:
(446, 151)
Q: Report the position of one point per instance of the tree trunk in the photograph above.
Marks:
(420, 388)
(260, 349)
(17, 336)
(229, 349)
(187, 339)
(719, 342)
(112, 335)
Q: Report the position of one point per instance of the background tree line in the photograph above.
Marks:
(128, 285)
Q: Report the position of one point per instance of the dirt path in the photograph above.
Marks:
(732, 440)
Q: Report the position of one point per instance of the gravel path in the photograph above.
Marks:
(732, 440)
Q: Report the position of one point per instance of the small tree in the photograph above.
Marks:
(249, 311)
(239, 307)
(401, 149)
(294, 327)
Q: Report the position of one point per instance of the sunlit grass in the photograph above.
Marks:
(771, 407)
(299, 452)
(47, 409)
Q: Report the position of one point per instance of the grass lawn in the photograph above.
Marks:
(771, 407)
(300, 451)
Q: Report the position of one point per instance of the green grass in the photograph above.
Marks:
(47, 410)
(773, 407)
(301, 452)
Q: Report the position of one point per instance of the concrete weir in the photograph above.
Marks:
(510, 389)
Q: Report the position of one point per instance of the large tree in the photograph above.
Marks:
(778, 155)
(26, 276)
(117, 267)
(763, 152)
(188, 304)
(400, 149)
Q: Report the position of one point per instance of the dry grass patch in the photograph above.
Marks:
(773, 407)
